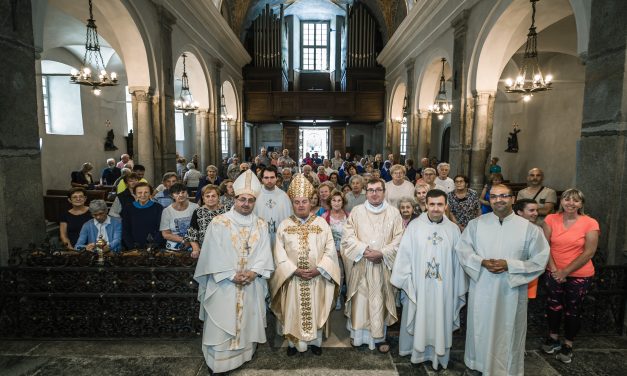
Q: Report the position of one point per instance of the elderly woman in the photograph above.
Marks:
(356, 196)
(175, 219)
(573, 237)
(83, 178)
(398, 187)
(420, 196)
(484, 199)
(406, 207)
(322, 174)
(191, 178)
(428, 177)
(102, 225)
(203, 216)
(71, 222)
(141, 219)
(227, 194)
(463, 202)
(211, 178)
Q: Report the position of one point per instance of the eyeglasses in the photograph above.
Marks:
(378, 190)
(243, 200)
(502, 195)
(460, 181)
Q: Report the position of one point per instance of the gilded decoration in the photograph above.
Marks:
(303, 230)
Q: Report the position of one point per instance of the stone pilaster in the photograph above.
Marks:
(21, 203)
(424, 135)
(459, 151)
(163, 100)
(143, 132)
(482, 128)
(601, 163)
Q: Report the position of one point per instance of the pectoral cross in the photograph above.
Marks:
(435, 238)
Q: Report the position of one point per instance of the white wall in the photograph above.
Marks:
(550, 125)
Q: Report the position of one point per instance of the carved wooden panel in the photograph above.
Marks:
(259, 107)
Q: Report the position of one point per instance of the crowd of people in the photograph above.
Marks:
(360, 234)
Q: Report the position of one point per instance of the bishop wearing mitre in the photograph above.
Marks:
(307, 276)
(234, 264)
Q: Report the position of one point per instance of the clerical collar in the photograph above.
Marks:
(375, 209)
(434, 222)
(507, 218)
(239, 219)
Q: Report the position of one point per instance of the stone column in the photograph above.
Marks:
(143, 132)
(202, 122)
(480, 148)
(411, 126)
(21, 202)
(163, 101)
(234, 142)
(601, 162)
(216, 149)
(424, 135)
(458, 153)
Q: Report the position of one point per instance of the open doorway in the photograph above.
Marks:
(313, 140)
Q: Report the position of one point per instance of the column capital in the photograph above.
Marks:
(140, 93)
(460, 23)
(423, 114)
(409, 63)
(166, 18)
(482, 97)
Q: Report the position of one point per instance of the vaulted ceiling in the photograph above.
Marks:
(240, 13)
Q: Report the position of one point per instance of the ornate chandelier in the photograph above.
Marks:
(441, 105)
(185, 103)
(224, 114)
(530, 78)
(93, 58)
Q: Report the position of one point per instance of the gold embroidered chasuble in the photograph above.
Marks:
(371, 298)
(303, 306)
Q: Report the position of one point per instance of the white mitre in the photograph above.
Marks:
(247, 183)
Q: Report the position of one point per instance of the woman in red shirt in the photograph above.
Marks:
(573, 237)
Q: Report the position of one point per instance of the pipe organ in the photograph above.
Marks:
(361, 29)
(267, 38)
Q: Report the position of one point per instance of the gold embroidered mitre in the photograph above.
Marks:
(300, 187)
(247, 183)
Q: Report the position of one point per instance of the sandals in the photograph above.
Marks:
(383, 347)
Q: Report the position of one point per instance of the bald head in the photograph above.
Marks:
(535, 176)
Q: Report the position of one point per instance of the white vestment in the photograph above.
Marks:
(434, 289)
(497, 303)
(234, 315)
(273, 207)
(371, 298)
(301, 306)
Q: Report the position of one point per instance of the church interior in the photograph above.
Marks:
(457, 81)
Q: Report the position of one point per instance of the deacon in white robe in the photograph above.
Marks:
(273, 205)
(433, 284)
(501, 253)
(232, 270)
(307, 276)
(369, 244)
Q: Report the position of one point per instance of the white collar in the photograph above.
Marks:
(375, 209)
(239, 219)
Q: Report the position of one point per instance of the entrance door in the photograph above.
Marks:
(314, 140)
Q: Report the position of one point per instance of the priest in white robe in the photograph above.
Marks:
(307, 276)
(433, 284)
(369, 244)
(232, 270)
(273, 205)
(501, 253)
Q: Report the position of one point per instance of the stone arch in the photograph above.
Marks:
(505, 30)
(198, 74)
(429, 78)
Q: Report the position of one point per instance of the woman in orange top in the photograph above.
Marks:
(573, 237)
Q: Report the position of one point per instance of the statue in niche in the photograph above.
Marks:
(129, 143)
(109, 146)
(512, 140)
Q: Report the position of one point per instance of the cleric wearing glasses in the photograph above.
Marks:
(501, 253)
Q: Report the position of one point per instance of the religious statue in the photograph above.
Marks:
(512, 140)
(109, 146)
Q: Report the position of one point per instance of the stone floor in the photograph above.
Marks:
(136, 357)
